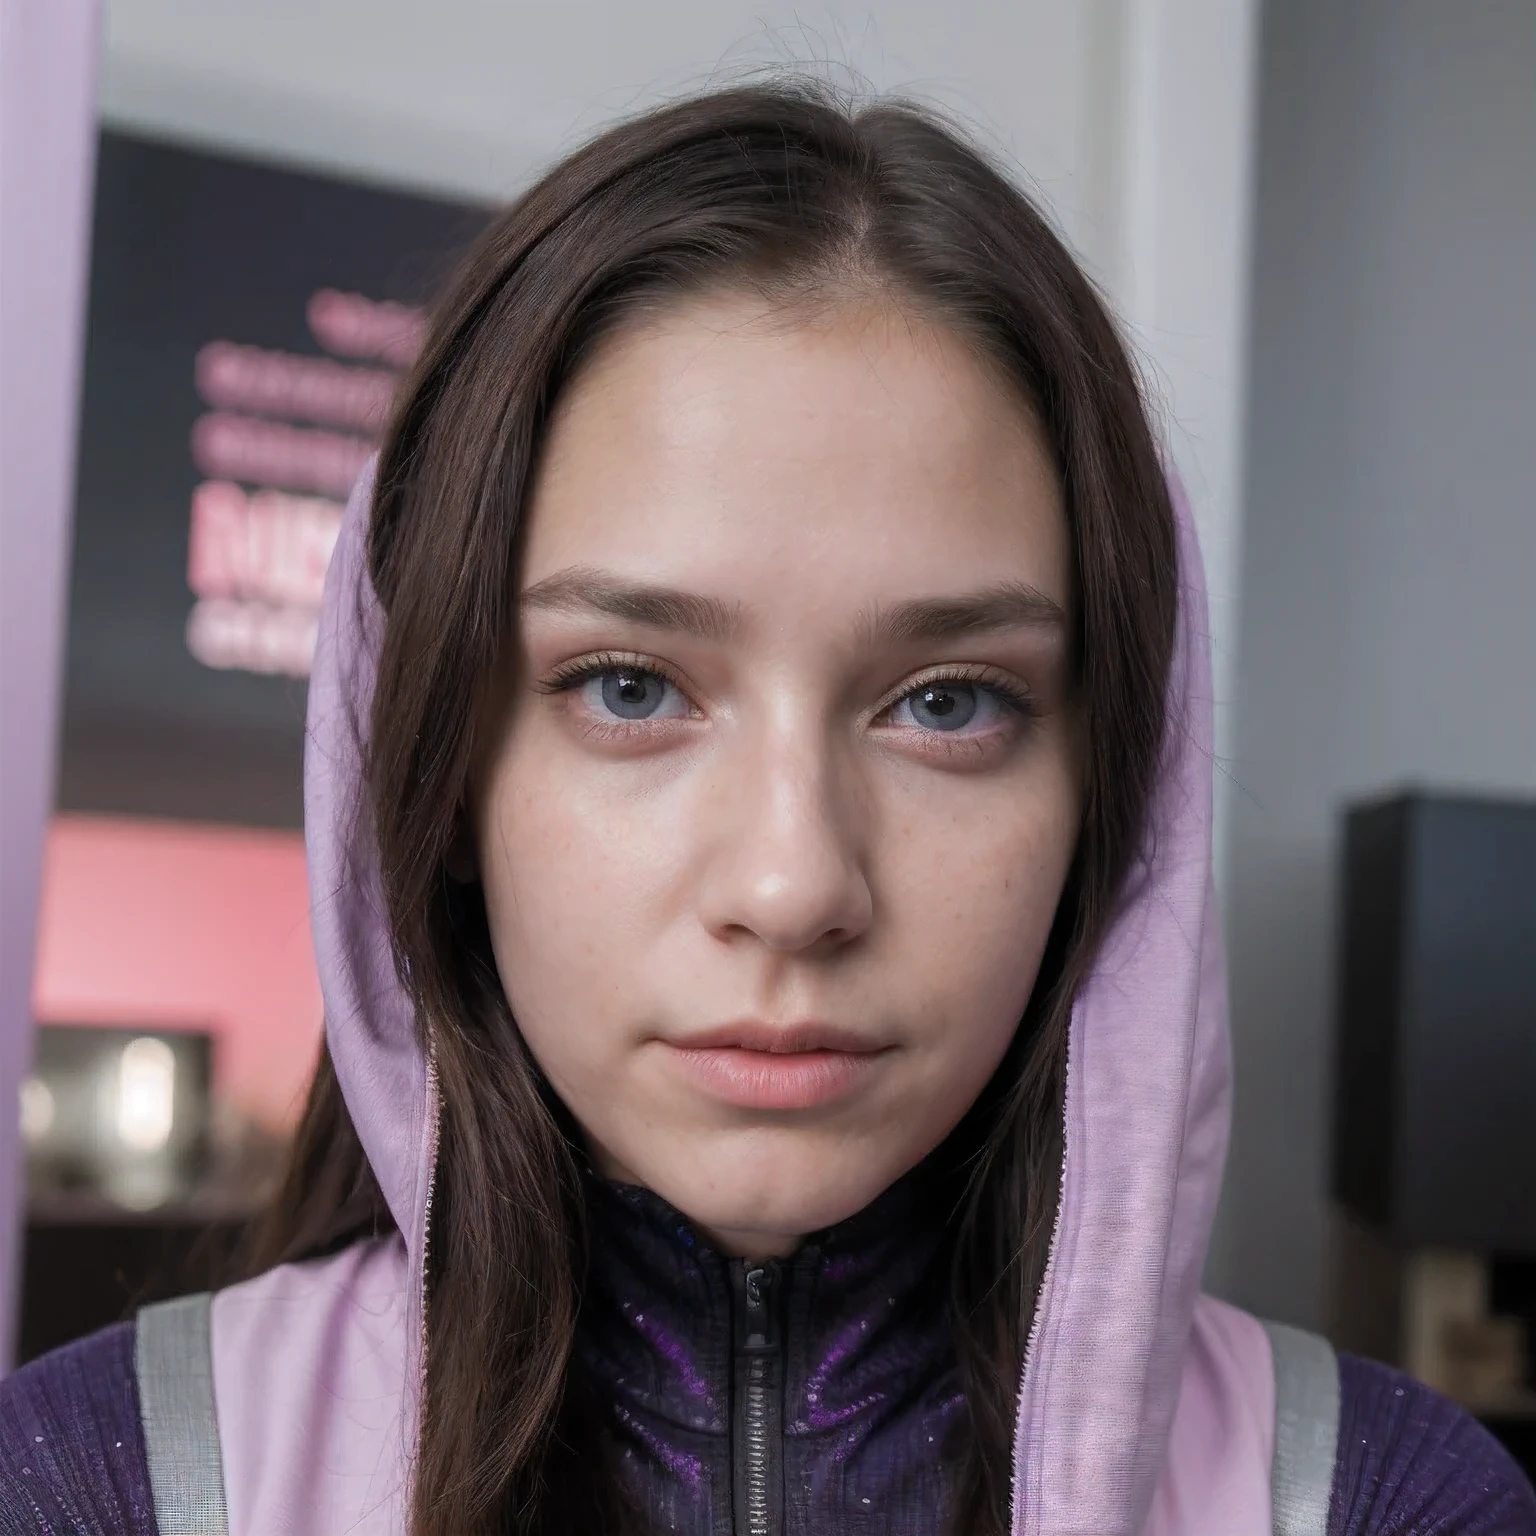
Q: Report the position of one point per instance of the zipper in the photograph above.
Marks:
(757, 1382)
(1015, 1499)
(434, 1135)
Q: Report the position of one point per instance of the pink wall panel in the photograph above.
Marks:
(150, 922)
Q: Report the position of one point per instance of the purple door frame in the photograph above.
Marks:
(48, 64)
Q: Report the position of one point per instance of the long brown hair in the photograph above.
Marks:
(790, 191)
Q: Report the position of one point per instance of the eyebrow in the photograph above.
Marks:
(1005, 605)
(581, 586)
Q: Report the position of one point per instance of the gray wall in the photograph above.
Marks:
(1387, 630)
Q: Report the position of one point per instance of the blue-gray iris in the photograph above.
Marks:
(944, 707)
(633, 695)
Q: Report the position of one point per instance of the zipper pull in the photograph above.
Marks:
(758, 1290)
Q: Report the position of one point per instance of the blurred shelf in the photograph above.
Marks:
(88, 1209)
(87, 1263)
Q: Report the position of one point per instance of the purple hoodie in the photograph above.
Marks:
(1144, 1409)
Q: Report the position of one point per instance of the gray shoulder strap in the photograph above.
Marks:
(1306, 1430)
(174, 1361)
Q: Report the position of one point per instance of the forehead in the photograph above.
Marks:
(818, 463)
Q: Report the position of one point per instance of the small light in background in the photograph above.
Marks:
(146, 1094)
(38, 1110)
(116, 1114)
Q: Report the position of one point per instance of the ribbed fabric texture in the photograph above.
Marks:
(1410, 1463)
(1413, 1464)
(1306, 1430)
(174, 1364)
(71, 1445)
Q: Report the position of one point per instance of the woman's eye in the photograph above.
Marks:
(631, 693)
(949, 706)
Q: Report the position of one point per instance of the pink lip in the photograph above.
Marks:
(763, 1066)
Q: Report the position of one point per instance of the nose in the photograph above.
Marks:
(787, 867)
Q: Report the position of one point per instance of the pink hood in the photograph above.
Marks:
(1142, 1407)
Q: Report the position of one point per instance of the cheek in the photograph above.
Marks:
(977, 884)
(574, 882)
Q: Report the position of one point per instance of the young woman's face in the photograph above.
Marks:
(788, 784)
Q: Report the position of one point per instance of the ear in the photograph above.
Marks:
(462, 863)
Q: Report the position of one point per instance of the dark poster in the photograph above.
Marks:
(246, 327)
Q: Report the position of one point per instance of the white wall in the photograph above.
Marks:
(1388, 628)
(474, 94)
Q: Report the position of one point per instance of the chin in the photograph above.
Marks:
(779, 1194)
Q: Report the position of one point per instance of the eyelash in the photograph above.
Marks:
(572, 674)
